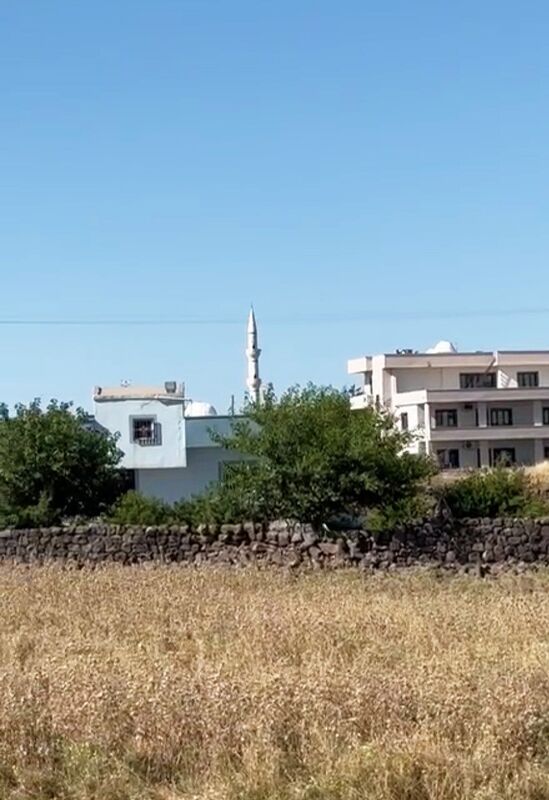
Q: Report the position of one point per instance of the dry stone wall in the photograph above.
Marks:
(481, 545)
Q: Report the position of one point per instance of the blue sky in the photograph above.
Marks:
(371, 174)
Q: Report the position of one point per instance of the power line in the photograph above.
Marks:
(300, 319)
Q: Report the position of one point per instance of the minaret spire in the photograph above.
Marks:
(253, 381)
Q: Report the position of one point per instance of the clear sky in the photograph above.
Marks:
(371, 175)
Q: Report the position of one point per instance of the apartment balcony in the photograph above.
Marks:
(496, 394)
(361, 400)
(488, 433)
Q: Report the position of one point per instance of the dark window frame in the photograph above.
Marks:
(501, 417)
(448, 458)
(477, 380)
(443, 417)
(497, 452)
(404, 421)
(143, 420)
(545, 413)
(528, 380)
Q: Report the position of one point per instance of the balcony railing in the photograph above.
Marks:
(148, 441)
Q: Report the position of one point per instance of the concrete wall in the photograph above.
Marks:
(198, 429)
(184, 462)
(414, 416)
(468, 457)
(411, 380)
(507, 376)
(203, 468)
(523, 412)
(117, 415)
(525, 451)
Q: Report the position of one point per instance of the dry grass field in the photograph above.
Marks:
(171, 683)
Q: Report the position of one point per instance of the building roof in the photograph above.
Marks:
(481, 358)
(140, 392)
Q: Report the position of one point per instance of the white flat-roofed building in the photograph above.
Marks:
(165, 438)
(467, 409)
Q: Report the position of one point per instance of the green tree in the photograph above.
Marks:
(312, 457)
(53, 465)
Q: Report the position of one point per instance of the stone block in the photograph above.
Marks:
(331, 548)
(283, 538)
(310, 538)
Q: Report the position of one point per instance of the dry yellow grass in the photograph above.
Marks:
(539, 477)
(177, 684)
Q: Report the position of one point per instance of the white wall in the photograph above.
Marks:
(198, 429)
(378, 364)
(507, 376)
(466, 417)
(409, 379)
(412, 379)
(523, 413)
(468, 458)
(203, 468)
(413, 416)
(116, 416)
(524, 451)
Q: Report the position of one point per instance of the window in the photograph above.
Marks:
(501, 416)
(546, 416)
(477, 380)
(448, 459)
(446, 418)
(127, 480)
(528, 379)
(503, 456)
(143, 430)
(404, 421)
(546, 453)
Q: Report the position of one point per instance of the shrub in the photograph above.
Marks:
(136, 509)
(493, 493)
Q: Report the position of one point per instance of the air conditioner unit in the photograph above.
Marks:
(170, 387)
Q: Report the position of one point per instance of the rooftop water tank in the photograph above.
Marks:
(442, 347)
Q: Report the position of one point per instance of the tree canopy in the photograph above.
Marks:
(312, 457)
(52, 465)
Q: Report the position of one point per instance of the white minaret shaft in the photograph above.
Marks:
(253, 381)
